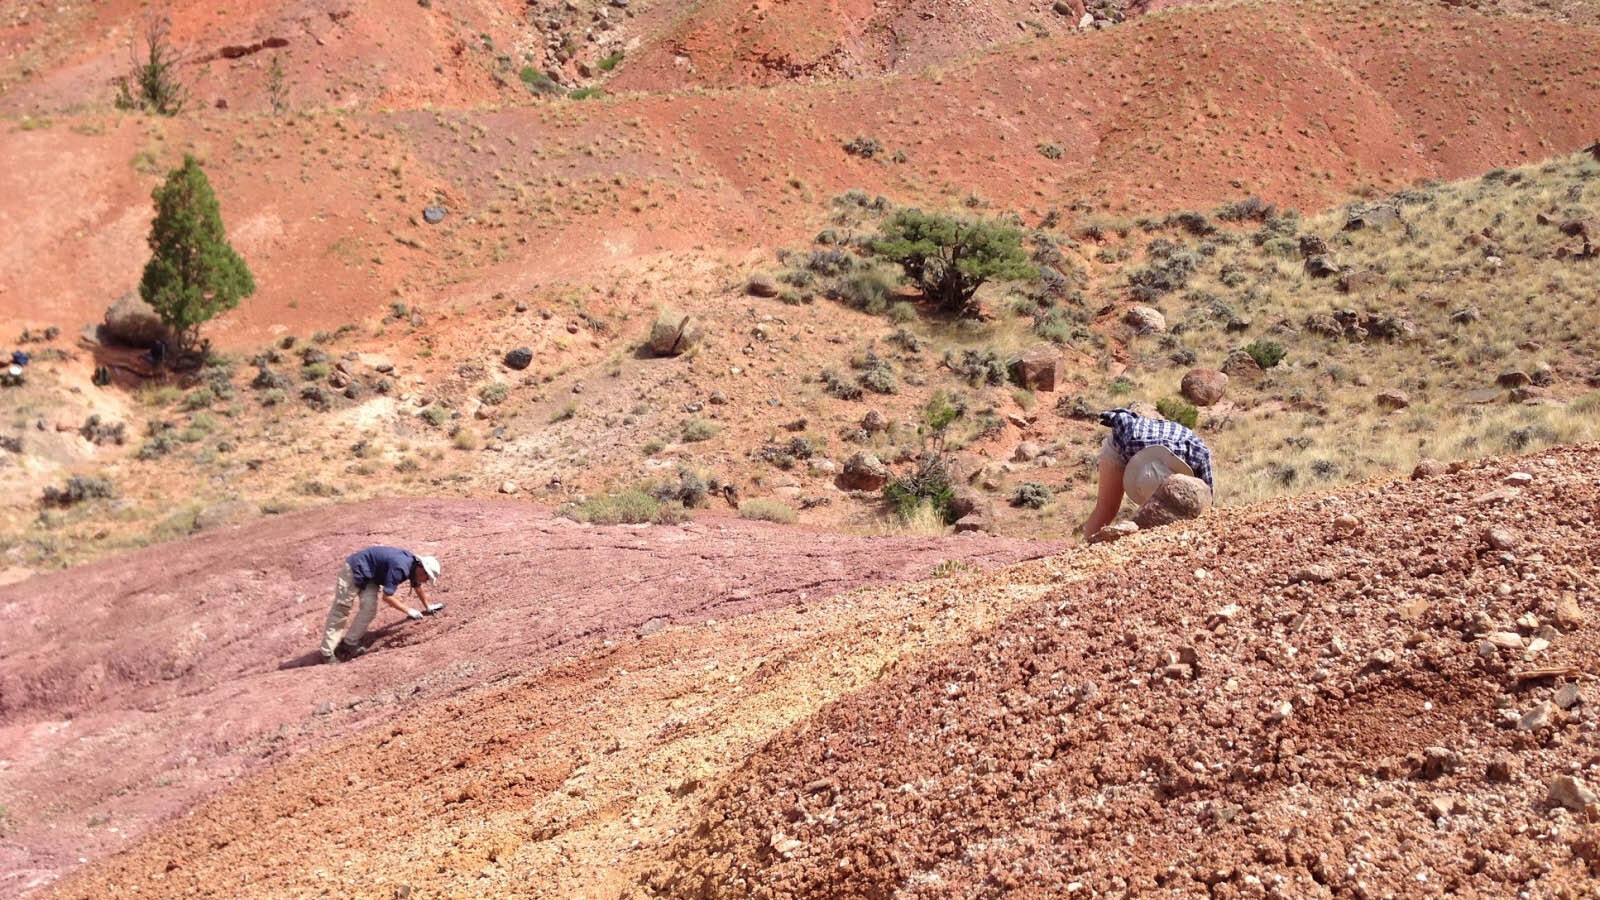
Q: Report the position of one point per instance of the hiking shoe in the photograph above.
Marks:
(333, 659)
(345, 653)
(432, 608)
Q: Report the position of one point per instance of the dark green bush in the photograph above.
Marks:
(1266, 353)
(1178, 410)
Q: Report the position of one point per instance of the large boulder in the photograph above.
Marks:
(864, 472)
(1204, 387)
(1377, 215)
(520, 358)
(1180, 497)
(131, 322)
(673, 333)
(1146, 319)
(1038, 369)
(1242, 366)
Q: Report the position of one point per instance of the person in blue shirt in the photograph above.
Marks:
(366, 574)
(1137, 456)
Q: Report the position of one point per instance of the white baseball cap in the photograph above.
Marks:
(1148, 469)
(430, 566)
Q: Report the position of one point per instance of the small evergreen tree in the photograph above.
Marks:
(951, 258)
(193, 273)
(153, 85)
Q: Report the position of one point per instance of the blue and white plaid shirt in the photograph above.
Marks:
(1131, 432)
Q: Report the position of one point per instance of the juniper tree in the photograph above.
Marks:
(950, 258)
(193, 273)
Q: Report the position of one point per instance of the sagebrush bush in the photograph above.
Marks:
(768, 511)
(1176, 409)
(1265, 352)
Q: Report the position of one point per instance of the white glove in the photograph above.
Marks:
(414, 613)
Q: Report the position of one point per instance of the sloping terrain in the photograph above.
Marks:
(132, 689)
(1387, 690)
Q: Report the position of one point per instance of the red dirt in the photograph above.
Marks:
(133, 689)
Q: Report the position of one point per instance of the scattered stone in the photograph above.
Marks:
(1180, 497)
(973, 522)
(1114, 531)
(1539, 717)
(1027, 451)
(1242, 366)
(1203, 387)
(1567, 696)
(1501, 769)
(762, 285)
(652, 625)
(1393, 399)
(433, 215)
(1569, 616)
(1037, 370)
(132, 322)
(1501, 539)
(874, 422)
(520, 358)
(508, 487)
(1437, 761)
(1377, 215)
(1427, 468)
(1280, 713)
(1346, 525)
(1355, 282)
(1318, 573)
(1321, 266)
(1514, 379)
(1571, 793)
(864, 472)
(1518, 479)
(1146, 320)
(673, 333)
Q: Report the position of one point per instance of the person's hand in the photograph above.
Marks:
(415, 614)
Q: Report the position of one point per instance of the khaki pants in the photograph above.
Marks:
(343, 593)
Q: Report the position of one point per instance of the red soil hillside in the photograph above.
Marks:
(1185, 109)
(1386, 690)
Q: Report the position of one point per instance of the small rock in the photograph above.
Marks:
(1568, 615)
(1501, 539)
(1313, 574)
(1567, 696)
(1506, 640)
(1537, 718)
(1393, 399)
(1501, 769)
(1571, 793)
(1114, 531)
(1180, 497)
(508, 487)
(520, 358)
(1441, 807)
(1514, 379)
(1146, 320)
(433, 215)
(1437, 761)
(1518, 479)
(1427, 468)
(1346, 525)
(1281, 712)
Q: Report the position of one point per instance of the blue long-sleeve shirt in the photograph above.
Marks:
(386, 566)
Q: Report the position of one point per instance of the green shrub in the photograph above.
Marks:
(78, 489)
(696, 430)
(610, 62)
(494, 394)
(950, 258)
(928, 484)
(1031, 495)
(585, 93)
(628, 507)
(314, 371)
(1266, 353)
(200, 398)
(435, 415)
(1176, 409)
(767, 511)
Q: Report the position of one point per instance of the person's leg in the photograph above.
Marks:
(364, 616)
(343, 592)
(1109, 499)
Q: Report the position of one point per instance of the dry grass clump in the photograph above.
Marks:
(768, 511)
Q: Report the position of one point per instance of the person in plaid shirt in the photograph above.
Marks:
(1137, 456)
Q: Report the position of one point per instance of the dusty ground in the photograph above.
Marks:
(1272, 702)
(132, 689)
(1344, 695)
